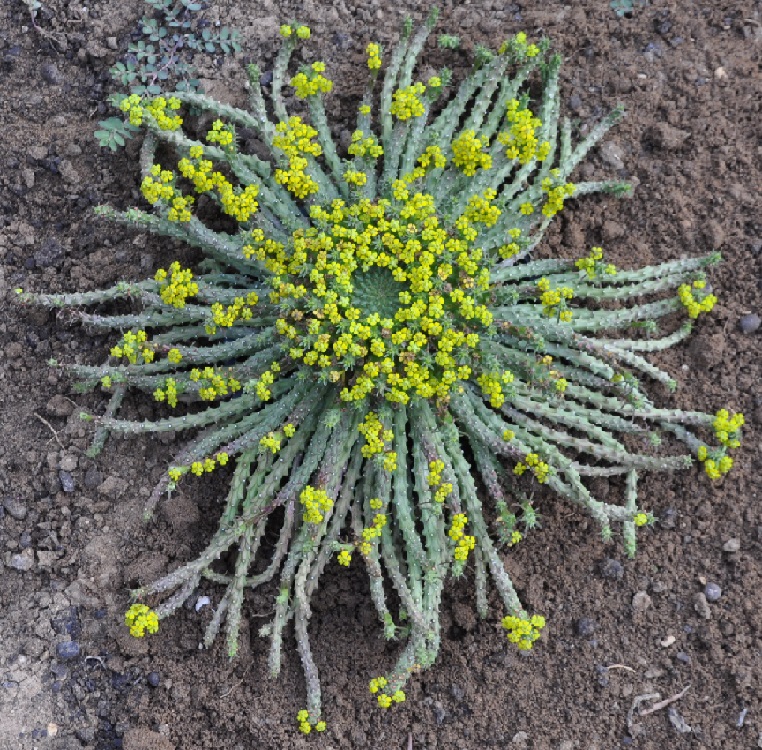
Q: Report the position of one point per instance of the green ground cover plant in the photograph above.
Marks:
(370, 346)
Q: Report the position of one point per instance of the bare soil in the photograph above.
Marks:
(71, 538)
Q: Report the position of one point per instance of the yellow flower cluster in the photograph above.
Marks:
(355, 177)
(362, 146)
(467, 153)
(157, 107)
(273, 440)
(519, 44)
(523, 632)
(227, 316)
(516, 537)
(726, 428)
(311, 83)
(520, 139)
(296, 140)
(407, 103)
(539, 468)
(302, 32)
(480, 209)
(130, 347)
(511, 248)
(554, 300)
(592, 264)
(374, 531)
(344, 558)
(220, 133)
(209, 464)
(141, 619)
(436, 468)
(316, 503)
(213, 385)
(303, 717)
(374, 56)
(556, 194)
(376, 687)
(176, 286)
(240, 204)
(168, 393)
(326, 271)
(704, 303)
(174, 356)
(159, 186)
(464, 542)
(640, 519)
(492, 386)
(265, 379)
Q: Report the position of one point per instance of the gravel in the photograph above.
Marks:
(15, 507)
(67, 650)
(749, 323)
(712, 592)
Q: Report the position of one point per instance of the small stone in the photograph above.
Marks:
(749, 323)
(50, 74)
(67, 481)
(681, 656)
(67, 650)
(111, 487)
(701, 606)
(641, 601)
(712, 592)
(59, 406)
(585, 627)
(732, 545)
(520, 738)
(23, 561)
(612, 569)
(668, 641)
(68, 463)
(15, 507)
(154, 679)
(612, 155)
(112, 42)
(92, 478)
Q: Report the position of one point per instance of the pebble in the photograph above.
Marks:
(641, 601)
(67, 650)
(749, 323)
(23, 561)
(612, 569)
(154, 679)
(15, 507)
(67, 481)
(712, 592)
(59, 406)
(681, 656)
(732, 545)
(585, 627)
(92, 478)
(520, 738)
(50, 74)
(701, 606)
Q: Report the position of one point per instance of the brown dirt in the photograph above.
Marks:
(689, 76)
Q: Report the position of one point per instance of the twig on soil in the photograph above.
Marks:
(233, 687)
(663, 704)
(409, 741)
(620, 666)
(50, 427)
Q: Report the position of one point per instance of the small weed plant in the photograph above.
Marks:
(369, 345)
(162, 57)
